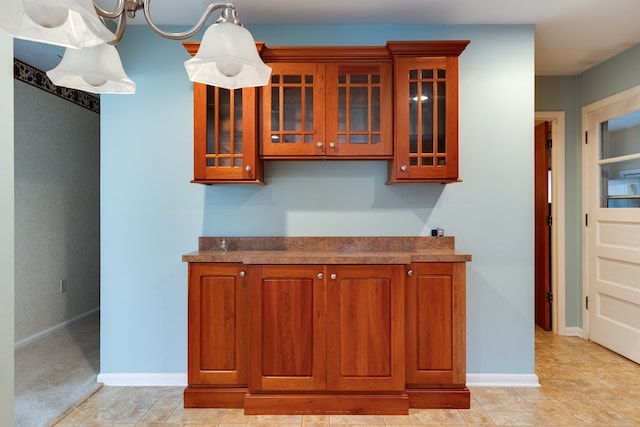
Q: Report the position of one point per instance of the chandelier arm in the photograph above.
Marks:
(119, 11)
(186, 34)
(122, 23)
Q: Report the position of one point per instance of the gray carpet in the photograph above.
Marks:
(57, 372)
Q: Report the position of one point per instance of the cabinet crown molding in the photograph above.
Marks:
(393, 49)
(427, 48)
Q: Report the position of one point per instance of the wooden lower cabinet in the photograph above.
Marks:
(435, 335)
(287, 338)
(327, 339)
(217, 334)
(324, 338)
(365, 328)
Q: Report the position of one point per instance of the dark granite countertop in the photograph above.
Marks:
(327, 250)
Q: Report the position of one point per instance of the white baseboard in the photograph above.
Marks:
(502, 380)
(32, 338)
(180, 380)
(143, 380)
(572, 332)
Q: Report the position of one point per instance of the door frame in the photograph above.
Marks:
(558, 251)
(628, 97)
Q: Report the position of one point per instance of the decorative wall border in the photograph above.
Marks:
(30, 75)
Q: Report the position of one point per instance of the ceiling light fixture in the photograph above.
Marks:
(227, 56)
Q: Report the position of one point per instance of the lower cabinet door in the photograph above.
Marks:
(365, 328)
(435, 307)
(217, 325)
(287, 338)
(333, 328)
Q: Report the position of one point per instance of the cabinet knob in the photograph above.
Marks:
(319, 144)
(403, 168)
(247, 168)
(410, 273)
(333, 276)
(332, 144)
(242, 273)
(320, 275)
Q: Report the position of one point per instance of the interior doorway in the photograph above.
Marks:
(543, 222)
(549, 295)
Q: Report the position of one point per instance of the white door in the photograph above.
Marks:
(612, 222)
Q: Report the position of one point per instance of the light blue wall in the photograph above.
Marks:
(618, 74)
(151, 214)
(6, 230)
(559, 93)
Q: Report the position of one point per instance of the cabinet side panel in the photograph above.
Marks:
(218, 323)
(287, 327)
(459, 322)
(452, 117)
(199, 131)
(435, 321)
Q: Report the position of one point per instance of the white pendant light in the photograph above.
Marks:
(95, 69)
(68, 23)
(228, 58)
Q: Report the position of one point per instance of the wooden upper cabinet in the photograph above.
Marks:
(225, 131)
(426, 111)
(397, 102)
(328, 102)
(225, 135)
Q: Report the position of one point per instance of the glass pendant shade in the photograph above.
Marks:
(228, 58)
(68, 23)
(94, 69)
(11, 16)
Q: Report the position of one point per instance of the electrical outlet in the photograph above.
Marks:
(63, 285)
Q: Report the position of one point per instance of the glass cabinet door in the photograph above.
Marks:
(328, 109)
(225, 134)
(292, 111)
(359, 109)
(426, 119)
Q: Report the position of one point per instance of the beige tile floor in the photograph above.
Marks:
(582, 384)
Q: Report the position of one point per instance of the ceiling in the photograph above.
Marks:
(571, 36)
